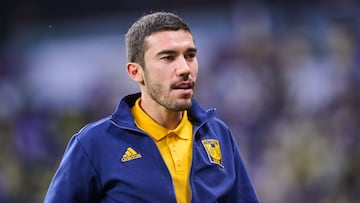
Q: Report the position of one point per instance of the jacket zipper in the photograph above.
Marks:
(196, 129)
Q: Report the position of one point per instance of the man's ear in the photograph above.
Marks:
(135, 72)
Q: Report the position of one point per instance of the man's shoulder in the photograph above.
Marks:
(217, 122)
(94, 130)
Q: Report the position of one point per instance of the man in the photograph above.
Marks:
(159, 145)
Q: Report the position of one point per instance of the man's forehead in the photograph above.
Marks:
(170, 38)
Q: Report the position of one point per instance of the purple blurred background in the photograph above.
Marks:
(285, 77)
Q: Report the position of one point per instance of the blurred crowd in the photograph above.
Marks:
(285, 80)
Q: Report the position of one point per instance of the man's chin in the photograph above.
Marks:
(182, 105)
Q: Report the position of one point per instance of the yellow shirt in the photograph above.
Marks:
(175, 147)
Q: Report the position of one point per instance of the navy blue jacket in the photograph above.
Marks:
(92, 169)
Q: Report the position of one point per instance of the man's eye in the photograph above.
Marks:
(168, 58)
(190, 56)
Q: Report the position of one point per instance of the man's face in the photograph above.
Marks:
(171, 69)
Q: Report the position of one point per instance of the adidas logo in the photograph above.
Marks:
(130, 154)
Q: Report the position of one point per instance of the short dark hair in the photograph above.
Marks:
(145, 26)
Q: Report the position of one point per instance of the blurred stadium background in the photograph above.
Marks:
(284, 75)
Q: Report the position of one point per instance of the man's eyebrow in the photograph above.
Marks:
(191, 50)
(165, 52)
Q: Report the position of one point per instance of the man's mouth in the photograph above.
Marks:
(183, 85)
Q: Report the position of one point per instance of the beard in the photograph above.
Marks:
(161, 95)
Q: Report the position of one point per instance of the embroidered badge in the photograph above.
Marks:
(213, 150)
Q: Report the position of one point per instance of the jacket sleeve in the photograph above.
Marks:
(75, 180)
(243, 190)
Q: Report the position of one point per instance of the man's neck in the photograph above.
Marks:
(166, 118)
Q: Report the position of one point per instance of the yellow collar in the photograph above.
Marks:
(156, 131)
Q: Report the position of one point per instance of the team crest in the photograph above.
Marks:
(213, 150)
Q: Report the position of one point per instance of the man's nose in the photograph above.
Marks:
(183, 68)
